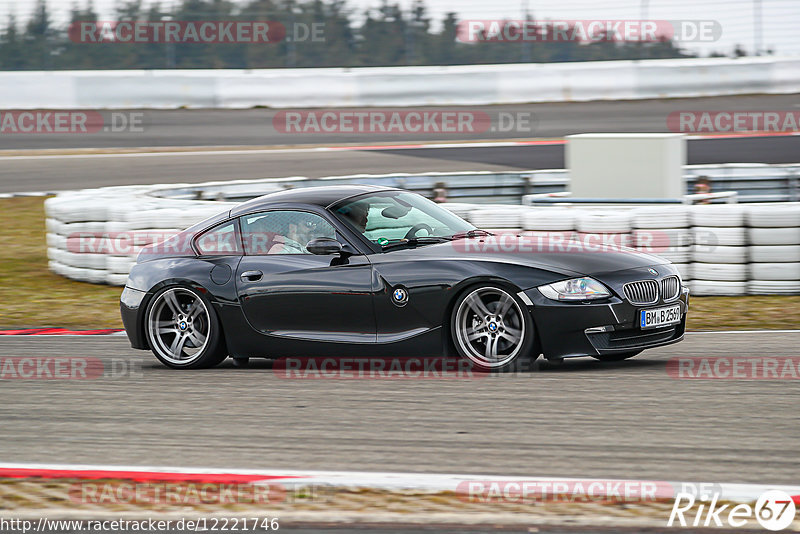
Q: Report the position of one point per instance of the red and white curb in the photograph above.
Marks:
(741, 493)
(60, 332)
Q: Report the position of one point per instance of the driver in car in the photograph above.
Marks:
(358, 215)
(294, 240)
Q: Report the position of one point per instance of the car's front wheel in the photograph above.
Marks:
(490, 328)
(183, 330)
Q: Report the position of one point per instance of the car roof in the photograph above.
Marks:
(316, 196)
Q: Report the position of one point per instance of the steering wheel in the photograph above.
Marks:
(416, 228)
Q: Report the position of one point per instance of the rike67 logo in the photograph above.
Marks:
(774, 510)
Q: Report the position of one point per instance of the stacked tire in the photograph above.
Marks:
(665, 231)
(719, 252)
(75, 237)
(549, 223)
(95, 236)
(774, 237)
(498, 219)
(612, 228)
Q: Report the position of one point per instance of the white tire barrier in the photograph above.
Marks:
(495, 218)
(56, 241)
(771, 287)
(775, 271)
(605, 222)
(92, 276)
(712, 288)
(719, 254)
(661, 217)
(722, 272)
(504, 231)
(96, 235)
(597, 239)
(84, 261)
(718, 215)
(685, 270)
(114, 279)
(775, 253)
(75, 228)
(549, 219)
(774, 216)
(53, 226)
(775, 236)
(548, 236)
(119, 264)
(676, 255)
(728, 236)
(655, 239)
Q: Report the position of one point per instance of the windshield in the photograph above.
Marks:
(389, 217)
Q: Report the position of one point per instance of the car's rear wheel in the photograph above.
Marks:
(616, 357)
(490, 328)
(183, 330)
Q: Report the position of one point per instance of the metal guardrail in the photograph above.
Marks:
(751, 182)
(730, 197)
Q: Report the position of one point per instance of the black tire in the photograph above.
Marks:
(616, 357)
(183, 330)
(490, 319)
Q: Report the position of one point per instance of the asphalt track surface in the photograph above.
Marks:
(66, 173)
(253, 128)
(580, 419)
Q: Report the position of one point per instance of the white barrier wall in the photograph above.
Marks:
(96, 235)
(400, 86)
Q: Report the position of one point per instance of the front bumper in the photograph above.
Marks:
(130, 307)
(574, 329)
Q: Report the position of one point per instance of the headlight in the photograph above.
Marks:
(575, 289)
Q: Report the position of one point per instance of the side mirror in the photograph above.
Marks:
(324, 246)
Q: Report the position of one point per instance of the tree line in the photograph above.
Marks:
(386, 36)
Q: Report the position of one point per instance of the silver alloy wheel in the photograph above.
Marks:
(490, 327)
(178, 325)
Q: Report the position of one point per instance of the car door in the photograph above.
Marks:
(287, 292)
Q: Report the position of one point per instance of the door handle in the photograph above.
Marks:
(252, 276)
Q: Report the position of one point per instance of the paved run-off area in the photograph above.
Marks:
(581, 419)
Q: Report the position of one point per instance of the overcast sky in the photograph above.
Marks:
(781, 18)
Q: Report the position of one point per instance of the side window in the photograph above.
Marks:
(222, 240)
(282, 232)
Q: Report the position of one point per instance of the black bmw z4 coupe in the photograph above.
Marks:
(363, 271)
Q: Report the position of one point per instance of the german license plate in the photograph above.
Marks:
(659, 317)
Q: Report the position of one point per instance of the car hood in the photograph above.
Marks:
(564, 257)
